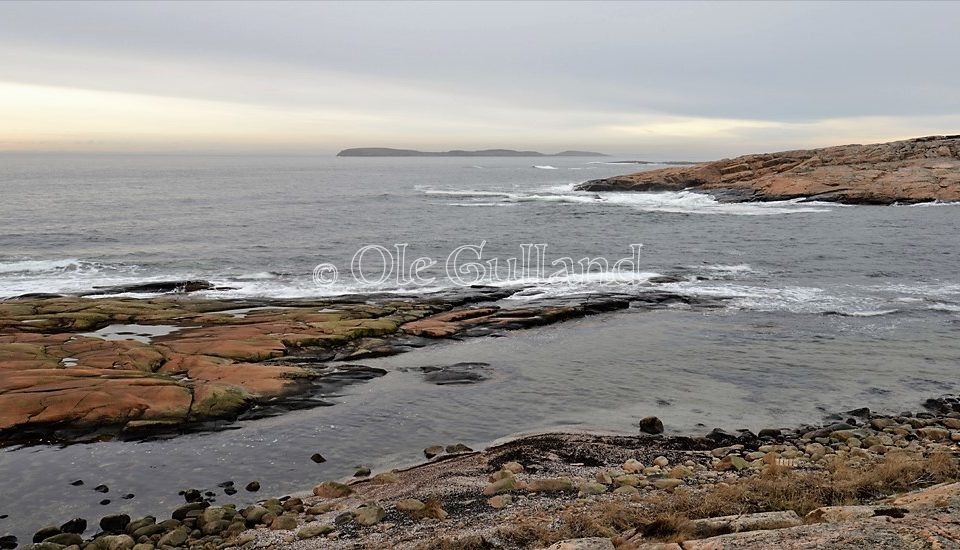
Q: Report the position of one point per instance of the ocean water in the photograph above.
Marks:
(824, 307)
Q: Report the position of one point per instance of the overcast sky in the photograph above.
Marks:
(678, 80)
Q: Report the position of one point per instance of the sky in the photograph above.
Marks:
(666, 81)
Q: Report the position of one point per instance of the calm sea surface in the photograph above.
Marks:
(826, 307)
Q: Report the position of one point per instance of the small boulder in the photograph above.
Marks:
(177, 537)
(116, 542)
(667, 484)
(116, 523)
(651, 425)
(284, 523)
(433, 451)
(384, 478)
(76, 525)
(504, 485)
(314, 530)
(369, 514)
(500, 501)
(409, 505)
(45, 533)
(254, 514)
(65, 539)
(554, 485)
(592, 488)
(631, 480)
(332, 489)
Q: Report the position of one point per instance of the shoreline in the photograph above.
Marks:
(321, 338)
(173, 364)
(620, 488)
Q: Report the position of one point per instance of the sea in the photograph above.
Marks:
(822, 307)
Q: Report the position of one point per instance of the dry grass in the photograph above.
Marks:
(667, 516)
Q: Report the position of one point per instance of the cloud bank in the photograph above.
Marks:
(679, 80)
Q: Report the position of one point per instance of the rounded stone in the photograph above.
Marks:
(76, 525)
(651, 425)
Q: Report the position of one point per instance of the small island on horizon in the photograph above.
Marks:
(389, 152)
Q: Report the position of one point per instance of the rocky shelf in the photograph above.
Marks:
(917, 170)
(76, 369)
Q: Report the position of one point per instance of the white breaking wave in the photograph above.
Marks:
(920, 289)
(546, 167)
(482, 204)
(721, 270)
(467, 193)
(40, 266)
(65, 275)
(949, 308)
(792, 299)
(869, 313)
(679, 202)
(928, 204)
(261, 275)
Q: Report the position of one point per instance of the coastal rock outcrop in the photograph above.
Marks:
(916, 170)
(162, 364)
(75, 369)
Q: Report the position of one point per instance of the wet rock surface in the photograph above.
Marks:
(457, 373)
(916, 170)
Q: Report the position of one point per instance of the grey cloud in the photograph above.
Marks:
(772, 61)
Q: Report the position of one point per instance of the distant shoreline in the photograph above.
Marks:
(389, 152)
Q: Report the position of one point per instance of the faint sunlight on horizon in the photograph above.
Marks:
(296, 78)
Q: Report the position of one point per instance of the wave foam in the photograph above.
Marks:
(678, 202)
(41, 266)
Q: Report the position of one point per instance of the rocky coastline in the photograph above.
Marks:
(859, 480)
(924, 169)
(78, 369)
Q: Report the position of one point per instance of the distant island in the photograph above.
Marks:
(388, 152)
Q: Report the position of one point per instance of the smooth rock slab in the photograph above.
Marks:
(750, 522)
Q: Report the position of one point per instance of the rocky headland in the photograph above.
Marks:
(912, 171)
